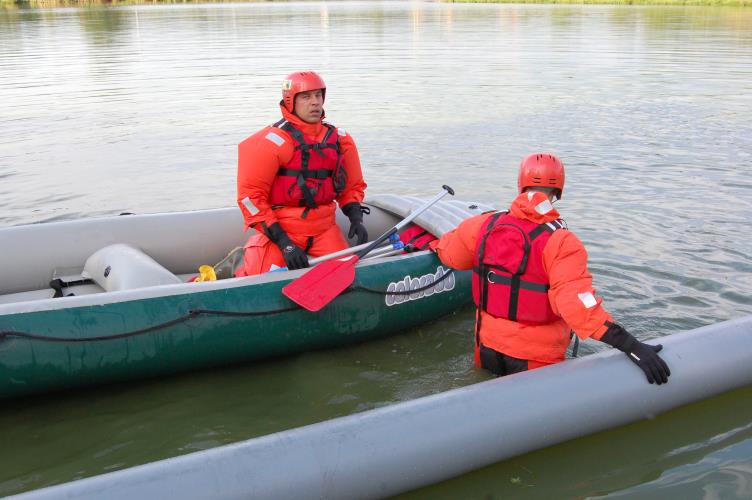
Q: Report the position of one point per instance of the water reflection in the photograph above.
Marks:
(105, 26)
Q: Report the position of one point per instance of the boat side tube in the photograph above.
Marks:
(405, 446)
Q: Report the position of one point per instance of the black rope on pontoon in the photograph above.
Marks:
(202, 312)
(191, 314)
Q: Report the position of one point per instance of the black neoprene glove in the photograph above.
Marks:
(643, 355)
(295, 257)
(354, 212)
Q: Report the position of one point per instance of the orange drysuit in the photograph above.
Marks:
(571, 294)
(260, 156)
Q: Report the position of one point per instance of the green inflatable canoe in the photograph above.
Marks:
(109, 299)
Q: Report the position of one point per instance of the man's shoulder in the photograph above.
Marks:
(476, 221)
(470, 228)
(269, 136)
(565, 239)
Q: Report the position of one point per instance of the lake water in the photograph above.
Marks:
(140, 109)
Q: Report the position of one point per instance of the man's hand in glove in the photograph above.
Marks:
(643, 355)
(295, 257)
(354, 212)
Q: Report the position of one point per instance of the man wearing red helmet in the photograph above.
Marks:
(291, 177)
(531, 284)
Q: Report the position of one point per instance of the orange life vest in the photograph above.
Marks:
(509, 280)
(314, 175)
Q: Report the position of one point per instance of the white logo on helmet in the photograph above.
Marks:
(286, 84)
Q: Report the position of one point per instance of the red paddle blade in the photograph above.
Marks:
(322, 283)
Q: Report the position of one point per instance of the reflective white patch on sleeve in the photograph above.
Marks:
(587, 299)
(342, 132)
(544, 207)
(275, 138)
(247, 203)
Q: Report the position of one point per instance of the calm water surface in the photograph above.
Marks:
(140, 109)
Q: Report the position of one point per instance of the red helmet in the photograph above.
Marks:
(542, 170)
(300, 81)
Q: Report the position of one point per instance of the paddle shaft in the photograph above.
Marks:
(384, 252)
(407, 220)
(339, 253)
(396, 246)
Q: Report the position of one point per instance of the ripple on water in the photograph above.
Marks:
(342, 398)
(723, 471)
(744, 299)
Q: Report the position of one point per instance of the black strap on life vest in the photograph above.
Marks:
(524, 285)
(548, 227)
(305, 155)
(311, 174)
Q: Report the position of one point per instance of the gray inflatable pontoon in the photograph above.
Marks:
(405, 446)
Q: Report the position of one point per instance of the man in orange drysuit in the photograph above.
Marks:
(531, 283)
(290, 175)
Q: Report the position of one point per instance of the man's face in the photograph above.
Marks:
(309, 105)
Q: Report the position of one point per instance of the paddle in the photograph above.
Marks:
(322, 283)
(393, 244)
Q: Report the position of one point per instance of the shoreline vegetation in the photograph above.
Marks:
(46, 4)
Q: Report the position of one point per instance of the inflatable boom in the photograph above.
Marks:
(420, 442)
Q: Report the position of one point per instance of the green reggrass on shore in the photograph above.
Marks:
(96, 3)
